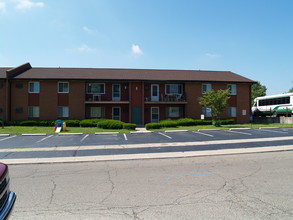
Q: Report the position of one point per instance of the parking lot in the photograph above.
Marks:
(39, 141)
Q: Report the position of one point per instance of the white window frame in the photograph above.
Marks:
(64, 111)
(96, 112)
(174, 92)
(158, 114)
(173, 112)
(232, 89)
(59, 83)
(90, 92)
(205, 88)
(207, 112)
(232, 112)
(36, 87)
(115, 117)
(33, 111)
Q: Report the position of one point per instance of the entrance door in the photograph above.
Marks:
(116, 88)
(116, 113)
(155, 117)
(136, 115)
(155, 92)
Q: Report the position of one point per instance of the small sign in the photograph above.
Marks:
(244, 112)
(202, 117)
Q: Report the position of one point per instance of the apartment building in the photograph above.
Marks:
(138, 96)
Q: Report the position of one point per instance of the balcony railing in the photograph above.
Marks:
(167, 98)
(98, 98)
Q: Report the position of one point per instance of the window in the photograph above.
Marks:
(232, 89)
(95, 88)
(34, 87)
(232, 112)
(63, 87)
(155, 114)
(116, 113)
(207, 112)
(175, 112)
(33, 111)
(63, 112)
(96, 112)
(206, 88)
(173, 89)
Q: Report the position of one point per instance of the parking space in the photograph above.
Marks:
(18, 141)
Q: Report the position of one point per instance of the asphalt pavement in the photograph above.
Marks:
(42, 148)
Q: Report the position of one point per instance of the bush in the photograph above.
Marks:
(88, 123)
(129, 126)
(227, 121)
(72, 123)
(186, 122)
(150, 126)
(46, 123)
(110, 124)
(168, 124)
(29, 123)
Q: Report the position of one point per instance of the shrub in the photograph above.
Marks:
(46, 123)
(88, 123)
(153, 126)
(186, 122)
(129, 126)
(72, 123)
(168, 124)
(110, 124)
(227, 121)
(29, 123)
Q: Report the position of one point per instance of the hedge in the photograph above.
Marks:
(129, 126)
(72, 123)
(88, 123)
(110, 124)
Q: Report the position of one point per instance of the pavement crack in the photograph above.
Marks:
(52, 192)
(112, 187)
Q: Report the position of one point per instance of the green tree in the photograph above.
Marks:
(291, 90)
(257, 90)
(217, 102)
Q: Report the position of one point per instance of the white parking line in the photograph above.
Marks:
(281, 132)
(84, 138)
(44, 138)
(165, 135)
(238, 132)
(197, 132)
(8, 138)
(125, 136)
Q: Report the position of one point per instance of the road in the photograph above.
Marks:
(247, 186)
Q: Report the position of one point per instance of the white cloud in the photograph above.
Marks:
(27, 4)
(212, 56)
(2, 7)
(85, 48)
(87, 30)
(136, 49)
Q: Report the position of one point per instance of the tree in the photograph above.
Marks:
(291, 90)
(257, 90)
(217, 102)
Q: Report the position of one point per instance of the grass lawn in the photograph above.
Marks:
(50, 130)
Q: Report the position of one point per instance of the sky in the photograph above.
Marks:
(253, 38)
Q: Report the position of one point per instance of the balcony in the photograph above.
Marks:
(101, 99)
(166, 99)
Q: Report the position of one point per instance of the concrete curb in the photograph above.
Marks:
(268, 127)
(175, 131)
(168, 155)
(4, 135)
(69, 134)
(39, 134)
(231, 129)
(141, 132)
(106, 133)
(208, 129)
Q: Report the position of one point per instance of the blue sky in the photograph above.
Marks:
(253, 38)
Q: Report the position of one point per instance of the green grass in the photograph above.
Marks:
(50, 130)
(224, 127)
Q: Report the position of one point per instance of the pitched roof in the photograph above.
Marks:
(130, 75)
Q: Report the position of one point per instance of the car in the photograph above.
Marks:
(7, 197)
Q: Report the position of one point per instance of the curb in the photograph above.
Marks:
(68, 134)
(208, 129)
(231, 129)
(106, 133)
(268, 127)
(39, 134)
(175, 131)
(141, 132)
(4, 135)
